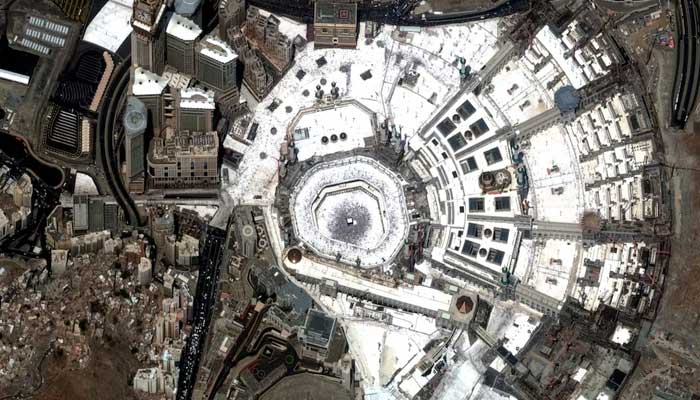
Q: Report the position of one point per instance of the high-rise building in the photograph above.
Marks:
(183, 159)
(231, 15)
(59, 262)
(255, 77)
(264, 30)
(147, 39)
(96, 219)
(149, 88)
(145, 271)
(182, 34)
(112, 217)
(216, 63)
(149, 380)
(194, 110)
(135, 122)
(80, 213)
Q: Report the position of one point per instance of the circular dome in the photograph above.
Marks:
(487, 232)
(334, 138)
(343, 135)
(294, 256)
(487, 179)
(324, 140)
(465, 304)
(567, 98)
(482, 252)
(273, 130)
(456, 118)
(247, 230)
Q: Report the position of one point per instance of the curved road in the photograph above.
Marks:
(685, 88)
(397, 12)
(109, 112)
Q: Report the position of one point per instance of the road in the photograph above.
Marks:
(685, 88)
(396, 12)
(114, 98)
(211, 255)
(236, 351)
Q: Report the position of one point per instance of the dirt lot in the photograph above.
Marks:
(671, 358)
(106, 377)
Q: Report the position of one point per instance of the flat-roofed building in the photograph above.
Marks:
(194, 109)
(216, 69)
(183, 159)
(135, 122)
(80, 213)
(335, 24)
(149, 88)
(182, 35)
(147, 39)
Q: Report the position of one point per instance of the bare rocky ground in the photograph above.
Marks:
(670, 359)
(106, 377)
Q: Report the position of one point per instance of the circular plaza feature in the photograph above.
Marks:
(352, 209)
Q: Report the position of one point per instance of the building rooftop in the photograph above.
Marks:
(183, 28)
(197, 98)
(318, 328)
(147, 83)
(329, 12)
(167, 149)
(215, 48)
(135, 116)
(287, 27)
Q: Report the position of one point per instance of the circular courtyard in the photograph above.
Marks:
(353, 209)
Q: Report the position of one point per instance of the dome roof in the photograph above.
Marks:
(465, 304)
(294, 255)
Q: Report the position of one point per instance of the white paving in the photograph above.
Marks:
(434, 50)
(111, 26)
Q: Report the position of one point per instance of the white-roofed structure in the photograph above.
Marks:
(182, 34)
(557, 50)
(147, 83)
(197, 98)
(215, 48)
(183, 28)
(420, 299)
(14, 77)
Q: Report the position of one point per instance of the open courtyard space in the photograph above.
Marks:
(326, 130)
(349, 199)
(353, 209)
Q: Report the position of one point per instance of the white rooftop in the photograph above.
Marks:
(183, 28)
(111, 26)
(425, 297)
(351, 119)
(555, 47)
(215, 48)
(287, 26)
(147, 83)
(198, 98)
